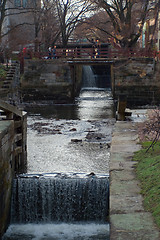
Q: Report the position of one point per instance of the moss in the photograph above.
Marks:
(148, 172)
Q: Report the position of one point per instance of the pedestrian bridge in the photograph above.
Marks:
(103, 51)
(103, 54)
(129, 72)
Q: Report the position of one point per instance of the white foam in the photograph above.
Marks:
(61, 231)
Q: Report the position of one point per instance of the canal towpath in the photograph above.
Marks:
(128, 218)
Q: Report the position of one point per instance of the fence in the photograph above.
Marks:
(87, 53)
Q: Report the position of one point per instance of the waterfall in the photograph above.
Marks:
(89, 79)
(59, 199)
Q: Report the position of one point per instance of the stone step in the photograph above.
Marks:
(7, 81)
(10, 75)
(6, 86)
(3, 91)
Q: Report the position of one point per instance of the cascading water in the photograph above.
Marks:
(65, 207)
(89, 79)
(57, 198)
(96, 77)
(59, 207)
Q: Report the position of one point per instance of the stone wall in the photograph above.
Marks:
(47, 80)
(13, 155)
(6, 171)
(138, 79)
(57, 80)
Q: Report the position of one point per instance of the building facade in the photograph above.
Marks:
(20, 24)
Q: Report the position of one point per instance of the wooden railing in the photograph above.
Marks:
(87, 53)
(90, 53)
(19, 148)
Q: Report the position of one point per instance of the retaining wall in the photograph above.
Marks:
(138, 79)
(13, 155)
(47, 80)
(6, 171)
(57, 80)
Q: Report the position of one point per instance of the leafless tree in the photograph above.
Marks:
(50, 25)
(151, 129)
(2, 15)
(90, 29)
(69, 14)
(127, 18)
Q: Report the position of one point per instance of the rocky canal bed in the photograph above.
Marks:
(69, 145)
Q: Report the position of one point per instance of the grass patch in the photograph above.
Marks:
(148, 172)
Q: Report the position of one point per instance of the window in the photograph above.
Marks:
(20, 3)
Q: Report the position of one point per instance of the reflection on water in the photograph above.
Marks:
(94, 105)
(90, 105)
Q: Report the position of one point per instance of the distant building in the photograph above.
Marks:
(19, 24)
(158, 35)
(151, 29)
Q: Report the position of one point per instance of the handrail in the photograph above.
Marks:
(92, 53)
(88, 53)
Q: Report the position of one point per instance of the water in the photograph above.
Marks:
(58, 231)
(61, 198)
(63, 139)
(51, 136)
(89, 79)
(92, 104)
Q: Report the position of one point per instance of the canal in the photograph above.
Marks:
(71, 142)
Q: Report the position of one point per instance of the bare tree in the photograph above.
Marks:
(127, 18)
(91, 28)
(150, 130)
(2, 15)
(45, 22)
(69, 14)
(50, 25)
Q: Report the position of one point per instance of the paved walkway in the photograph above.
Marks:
(129, 220)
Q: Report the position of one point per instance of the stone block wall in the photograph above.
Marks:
(6, 171)
(138, 79)
(47, 80)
